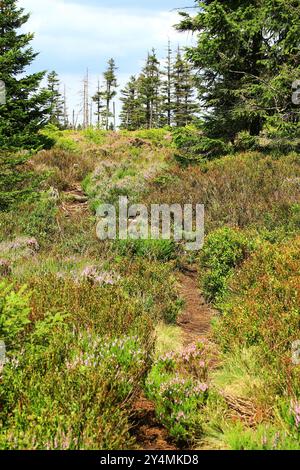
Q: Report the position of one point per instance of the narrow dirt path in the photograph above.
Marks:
(150, 435)
(195, 323)
(75, 201)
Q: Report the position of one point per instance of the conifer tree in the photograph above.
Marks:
(110, 90)
(150, 92)
(248, 55)
(56, 100)
(26, 108)
(98, 100)
(131, 114)
(183, 81)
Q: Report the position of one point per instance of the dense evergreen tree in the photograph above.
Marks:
(132, 112)
(56, 100)
(247, 52)
(184, 107)
(26, 108)
(159, 98)
(150, 92)
(17, 181)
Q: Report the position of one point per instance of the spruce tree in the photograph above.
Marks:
(150, 92)
(247, 54)
(17, 182)
(183, 81)
(131, 114)
(56, 100)
(110, 90)
(25, 111)
(98, 100)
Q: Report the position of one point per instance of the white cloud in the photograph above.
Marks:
(71, 28)
(73, 36)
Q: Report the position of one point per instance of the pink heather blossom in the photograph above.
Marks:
(180, 416)
(203, 387)
(295, 410)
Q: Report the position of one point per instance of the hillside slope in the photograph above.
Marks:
(92, 327)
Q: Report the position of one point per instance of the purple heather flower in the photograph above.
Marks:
(295, 410)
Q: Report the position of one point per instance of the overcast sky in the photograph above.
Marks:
(72, 35)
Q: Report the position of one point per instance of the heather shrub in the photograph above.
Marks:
(63, 169)
(261, 308)
(178, 404)
(76, 392)
(83, 358)
(35, 219)
(246, 190)
(178, 386)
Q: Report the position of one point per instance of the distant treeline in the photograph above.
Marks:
(163, 94)
(242, 74)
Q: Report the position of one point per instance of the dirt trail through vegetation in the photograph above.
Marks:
(75, 201)
(196, 318)
(195, 323)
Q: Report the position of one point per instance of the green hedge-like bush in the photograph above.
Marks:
(224, 250)
(14, 313)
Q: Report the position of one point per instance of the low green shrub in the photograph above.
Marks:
(159, 137)
(39, 219)
(59, 138)
(96, 136)
(14, 314)
(157, 250)
(17, 182)
(224, 250)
